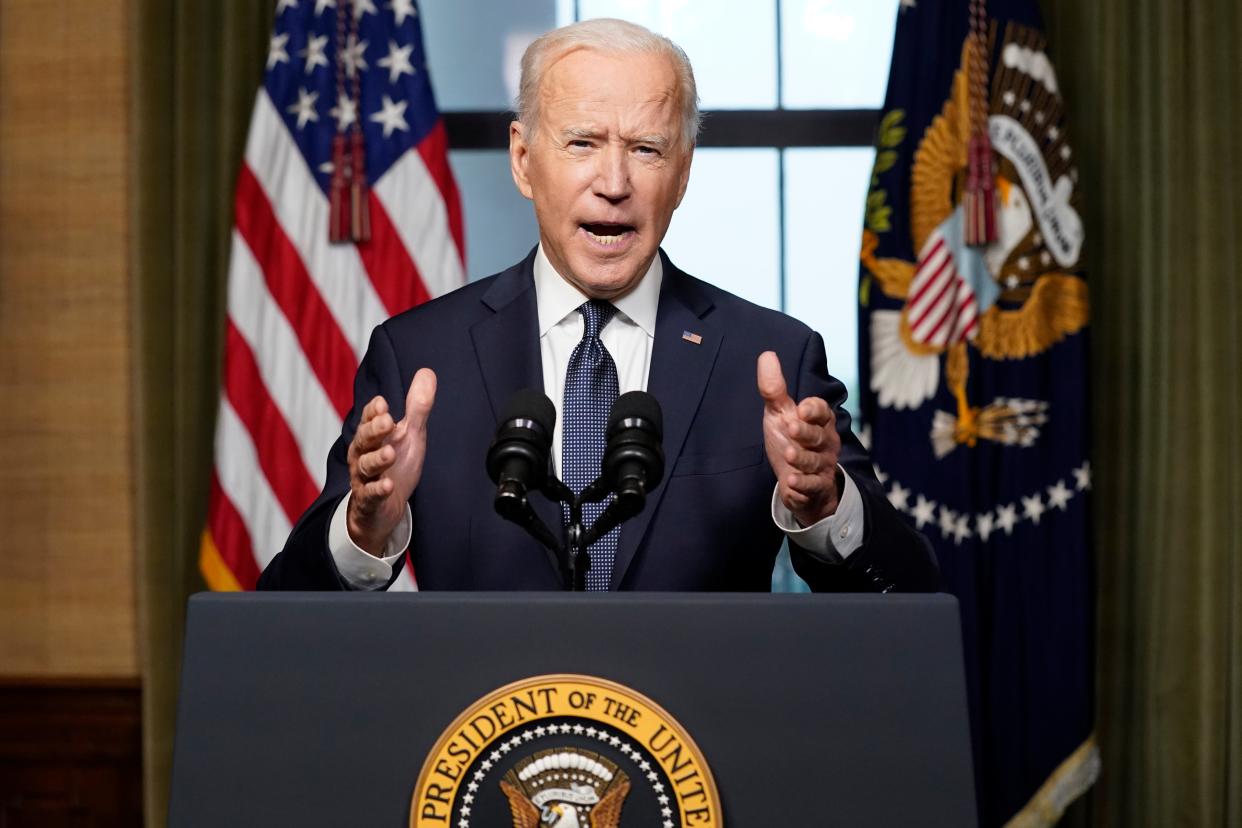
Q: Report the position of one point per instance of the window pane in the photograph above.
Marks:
(835, 53)
(474, 49)
(500, 223)
(731, 43)
(727, 229)
(825, 195)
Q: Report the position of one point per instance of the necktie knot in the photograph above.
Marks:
(596, 314)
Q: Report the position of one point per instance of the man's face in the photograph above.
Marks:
(606, 167)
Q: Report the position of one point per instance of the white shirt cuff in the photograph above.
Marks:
(358, 567)
(835, 537)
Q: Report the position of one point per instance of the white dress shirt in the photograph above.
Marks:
(629, 337)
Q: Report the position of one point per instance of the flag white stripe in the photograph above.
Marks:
(938, 311)
(286, 373)
(243, 482)
(927, 275)
(301, 208)
(416, 208)
(965, 311)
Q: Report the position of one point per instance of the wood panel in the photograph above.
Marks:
(70, 754)
(66, 502)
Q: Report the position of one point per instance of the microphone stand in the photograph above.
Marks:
(569, 552)
(629, 502)
(577, 559)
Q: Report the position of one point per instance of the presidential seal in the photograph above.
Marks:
(565, 751)
(1009, 294)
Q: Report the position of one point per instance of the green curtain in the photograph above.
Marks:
(1153, 92)
(195, 68)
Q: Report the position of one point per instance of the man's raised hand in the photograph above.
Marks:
(386, 462)
(802, 446)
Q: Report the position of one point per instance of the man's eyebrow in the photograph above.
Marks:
(654, 139)
(580, 132)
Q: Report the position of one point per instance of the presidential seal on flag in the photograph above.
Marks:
(973, 320)
(1010, 297)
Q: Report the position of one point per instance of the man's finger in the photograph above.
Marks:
(377, 406)
(806, 435)
(376, 490)
(815, 410)
(772, 382)
(374, 463)
(370, 435)
(802, 460)
(809, 485)
(794, 500)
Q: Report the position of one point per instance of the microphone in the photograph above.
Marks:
(517, 459)
(634, 458)
(633, 461)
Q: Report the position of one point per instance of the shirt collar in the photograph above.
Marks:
(556, 298)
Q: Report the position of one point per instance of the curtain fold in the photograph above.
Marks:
(195, 68)
(1153, 89)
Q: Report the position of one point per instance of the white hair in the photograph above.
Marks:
(605, 34)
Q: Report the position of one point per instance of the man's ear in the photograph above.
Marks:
(685, 178)
(519, 158)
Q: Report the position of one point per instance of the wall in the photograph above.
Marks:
(67, 606)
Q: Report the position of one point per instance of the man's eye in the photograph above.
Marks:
(580, 142)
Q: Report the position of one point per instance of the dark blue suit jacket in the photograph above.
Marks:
(706, 527)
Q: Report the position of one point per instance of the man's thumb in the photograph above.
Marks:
(420, 397)
(771, 381)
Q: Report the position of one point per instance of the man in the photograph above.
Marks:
(602, 145)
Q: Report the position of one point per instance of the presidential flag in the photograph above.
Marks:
(346, 213)
(973, 361)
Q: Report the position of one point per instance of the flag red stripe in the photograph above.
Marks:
(963, 311)
(948, 314)
(388, 263)
(230, 536)
(931, 280)
(274, 442)
(326, 348)
(434, 150)
(935, 303)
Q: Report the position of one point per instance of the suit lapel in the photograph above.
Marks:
(678, 376)
(506, 345)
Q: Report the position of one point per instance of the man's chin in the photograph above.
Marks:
(608, 279)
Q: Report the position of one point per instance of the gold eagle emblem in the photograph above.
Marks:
(565, 788)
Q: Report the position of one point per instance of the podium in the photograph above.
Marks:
(814, 710)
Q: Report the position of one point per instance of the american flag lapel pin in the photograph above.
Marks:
(693, 338)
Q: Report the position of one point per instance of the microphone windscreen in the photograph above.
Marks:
(531, 404)
(637, 405)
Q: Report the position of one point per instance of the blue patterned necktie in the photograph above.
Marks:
(590, 390)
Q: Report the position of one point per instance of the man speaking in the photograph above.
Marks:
(757, 446)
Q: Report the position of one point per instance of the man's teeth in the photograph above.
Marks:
(605, 240)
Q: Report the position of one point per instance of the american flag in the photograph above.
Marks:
(342, 75)
(943, 309)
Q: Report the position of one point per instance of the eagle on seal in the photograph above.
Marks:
(604, 814)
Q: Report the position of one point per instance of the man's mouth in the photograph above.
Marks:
(607, 233)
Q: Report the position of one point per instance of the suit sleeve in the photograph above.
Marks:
(305, 562)
(894, 557)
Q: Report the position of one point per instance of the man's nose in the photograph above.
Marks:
(612, 178)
